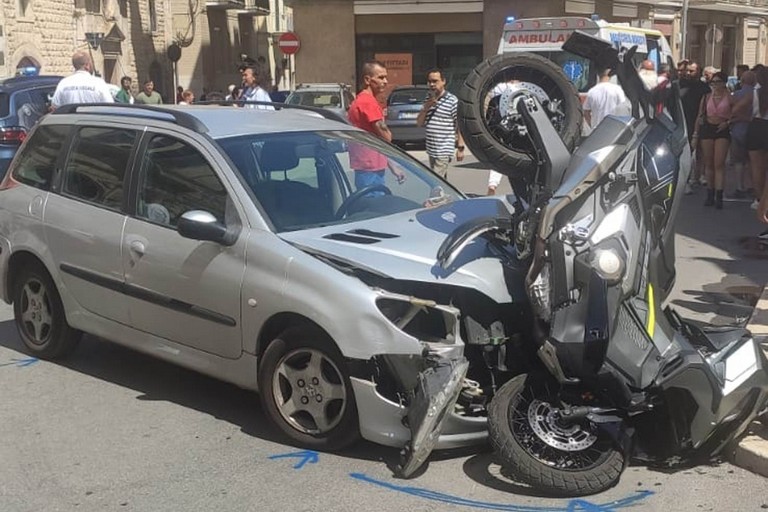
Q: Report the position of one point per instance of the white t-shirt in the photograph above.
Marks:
(603, 99)
(81, 87)
(257, 94)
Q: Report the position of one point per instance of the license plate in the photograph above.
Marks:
(408, 115)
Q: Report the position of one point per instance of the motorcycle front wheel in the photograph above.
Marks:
(538, 448)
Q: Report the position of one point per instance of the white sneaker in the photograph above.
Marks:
(755, 204)
(688, 190)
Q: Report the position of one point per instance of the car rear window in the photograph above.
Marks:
(409, 96)
(5, 104)
(35, 164)
(316, 99)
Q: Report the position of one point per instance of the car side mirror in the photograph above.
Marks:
(202, 225)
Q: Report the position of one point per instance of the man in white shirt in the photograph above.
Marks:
(603, 99)
(81, 86)
(252, 91)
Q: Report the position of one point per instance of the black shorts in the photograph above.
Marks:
(709, 131)
(757, 135)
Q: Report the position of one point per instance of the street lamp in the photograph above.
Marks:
(94, 39)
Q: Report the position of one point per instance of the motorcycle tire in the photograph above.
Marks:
(513, 441)
(479, 137)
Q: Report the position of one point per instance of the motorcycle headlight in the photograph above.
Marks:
(609, 264)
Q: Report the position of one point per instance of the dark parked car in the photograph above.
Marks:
(403, 106)
(23, 100)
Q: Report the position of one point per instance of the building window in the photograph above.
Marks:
(152, 16)
(93, 6)
(580, 7)
(123, 8)
(23, 8)
(2, 58)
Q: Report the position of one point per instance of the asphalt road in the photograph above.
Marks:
(110, 429)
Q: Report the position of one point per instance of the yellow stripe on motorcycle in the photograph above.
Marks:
(650, 325)
(669, 191)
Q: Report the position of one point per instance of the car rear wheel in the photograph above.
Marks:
(306, 392)
(39, 315)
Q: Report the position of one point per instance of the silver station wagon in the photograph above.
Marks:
(279, 250)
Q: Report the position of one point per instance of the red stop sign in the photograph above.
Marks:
(289, 43)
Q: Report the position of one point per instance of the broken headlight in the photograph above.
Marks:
(422, 319)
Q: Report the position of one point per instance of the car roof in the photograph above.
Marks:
(220, 121)
(322, 86)
(25, 82)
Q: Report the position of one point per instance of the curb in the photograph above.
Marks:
(752, 451)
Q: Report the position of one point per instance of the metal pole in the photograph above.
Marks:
(175, 82)
(714, 40)
(684, 30)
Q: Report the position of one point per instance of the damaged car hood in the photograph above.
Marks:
(405, 245)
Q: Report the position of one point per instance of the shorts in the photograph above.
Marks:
(757, 135)
(738, 148)
(709, 131)
(440, 165)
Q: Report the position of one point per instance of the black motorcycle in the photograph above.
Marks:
(616, 375)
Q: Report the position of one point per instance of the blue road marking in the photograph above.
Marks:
(306, 456)
(575, 505)
(21, 363)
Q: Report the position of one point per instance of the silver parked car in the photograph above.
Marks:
(333, 97)
(235, 242)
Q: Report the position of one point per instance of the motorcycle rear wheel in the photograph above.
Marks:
(592, 465)
(484, 138)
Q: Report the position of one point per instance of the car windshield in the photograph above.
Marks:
(303, 180)
(321, 99)
(408, 96)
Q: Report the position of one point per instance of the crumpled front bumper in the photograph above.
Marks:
(381, 421)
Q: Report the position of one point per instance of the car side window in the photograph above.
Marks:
(31, 105)
(36, 164)
(97, 163)
(176, 178)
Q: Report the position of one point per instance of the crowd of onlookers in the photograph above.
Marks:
(728, 131)
(727, 121)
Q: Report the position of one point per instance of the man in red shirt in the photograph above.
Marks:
(366, 113)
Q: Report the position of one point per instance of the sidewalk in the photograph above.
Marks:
(752, 452)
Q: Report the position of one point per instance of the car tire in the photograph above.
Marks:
(39, 315)
(306, 392)
(477, 134)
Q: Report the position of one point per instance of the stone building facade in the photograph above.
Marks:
(125, 37)
(339, 35)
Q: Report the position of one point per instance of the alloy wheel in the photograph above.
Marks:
(36, 312)
(308, 389)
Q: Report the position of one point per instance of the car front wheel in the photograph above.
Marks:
(39, 315)
(306, 392)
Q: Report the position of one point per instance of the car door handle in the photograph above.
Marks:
(138, 247)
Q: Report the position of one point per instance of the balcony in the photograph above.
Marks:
(743, 7)
(255, 8)
(252, 7)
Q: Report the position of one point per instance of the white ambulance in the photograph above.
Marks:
(545, 36)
